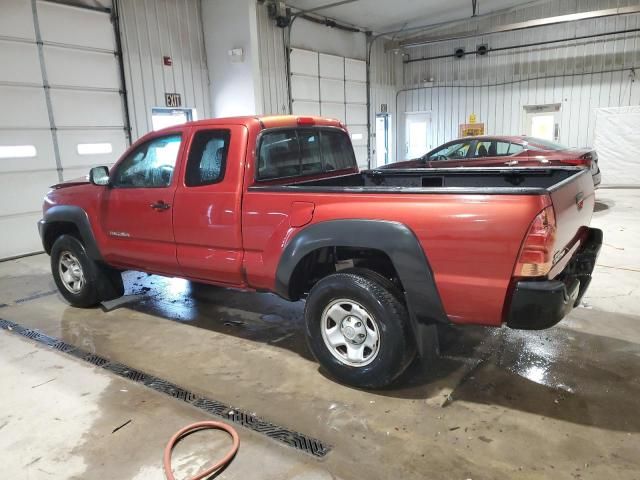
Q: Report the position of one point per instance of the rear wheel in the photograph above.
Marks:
(80, 280)
(358, 329)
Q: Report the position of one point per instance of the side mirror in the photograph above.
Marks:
(99, 176)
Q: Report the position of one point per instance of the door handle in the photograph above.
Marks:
(511, 162)
(160, 205)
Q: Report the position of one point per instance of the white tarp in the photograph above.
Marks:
(617, 141)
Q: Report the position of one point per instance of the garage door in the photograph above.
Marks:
(334, 87)
(62, 108)
(617, 141)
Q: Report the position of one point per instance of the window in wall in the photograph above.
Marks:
(17, 151)
(150, 165)
(207, 157)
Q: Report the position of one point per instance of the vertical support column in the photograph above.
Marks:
(47, 92)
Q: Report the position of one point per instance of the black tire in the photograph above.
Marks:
(100, 282)
(395, 349)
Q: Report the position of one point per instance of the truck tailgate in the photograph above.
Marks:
(573, 202)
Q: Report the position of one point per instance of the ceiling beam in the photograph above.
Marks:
(324, 7)
(540, 22)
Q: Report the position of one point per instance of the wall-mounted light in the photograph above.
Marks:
(236, 55)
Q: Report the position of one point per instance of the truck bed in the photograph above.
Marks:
(453, 180)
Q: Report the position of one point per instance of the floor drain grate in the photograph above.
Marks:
(248, 420)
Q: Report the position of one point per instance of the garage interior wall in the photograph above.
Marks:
(150, 31)
(57, 60)
(580, 76)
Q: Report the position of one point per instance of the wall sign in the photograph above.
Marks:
(384, 108)
(471, 129)
(172, 100)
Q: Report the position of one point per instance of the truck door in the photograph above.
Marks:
(136, 211)
(207, 213)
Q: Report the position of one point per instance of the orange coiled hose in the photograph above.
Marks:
(179, 435)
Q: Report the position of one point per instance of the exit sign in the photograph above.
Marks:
(172, 100)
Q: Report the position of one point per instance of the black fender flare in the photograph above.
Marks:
(78, 217)
(399, 243)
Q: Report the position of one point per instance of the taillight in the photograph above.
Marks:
(536, 256)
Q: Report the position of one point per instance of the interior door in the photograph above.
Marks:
(543, 121)
(136, 210)
(416, 134)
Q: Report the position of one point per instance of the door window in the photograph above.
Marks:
(150, 165)
(452, 151)
(207, 158)
(515, 148)
(495, 148)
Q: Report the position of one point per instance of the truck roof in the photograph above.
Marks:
(268, 121)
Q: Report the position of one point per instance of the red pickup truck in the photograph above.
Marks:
(382, 257)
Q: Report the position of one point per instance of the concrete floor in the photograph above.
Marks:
(561, 403)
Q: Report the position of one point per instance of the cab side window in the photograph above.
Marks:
(151, 165)
(207, 158)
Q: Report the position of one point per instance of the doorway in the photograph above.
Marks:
(543, 121)
(416, 134)
(168, 117)
(383, 139)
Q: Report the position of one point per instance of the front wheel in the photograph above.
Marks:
(358, 329)
(80, 280)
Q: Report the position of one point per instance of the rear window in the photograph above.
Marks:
(544, 144)
(301, 152)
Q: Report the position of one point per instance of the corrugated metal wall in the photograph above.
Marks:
(273, 65)
(152, 29)
(581, 75)
(385, 73)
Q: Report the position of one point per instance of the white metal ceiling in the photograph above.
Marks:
(387, 15)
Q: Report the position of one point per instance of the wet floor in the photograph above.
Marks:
(499, 403)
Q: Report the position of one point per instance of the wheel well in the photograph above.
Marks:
(58, 229)
(327, 260)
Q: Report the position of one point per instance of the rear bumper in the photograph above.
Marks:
(536, 305)
(597, 179)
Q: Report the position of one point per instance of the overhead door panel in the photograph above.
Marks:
(304, 62)
(85, 149)
(334, 87)
(331, 90)
(20, 63)
(105, 111)
(68, 25)
(27, 105)
(333, 110)
(61, 98)
(306, 108)
(33, 150)
(81, 69)
(16, 19)
(331, 66)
